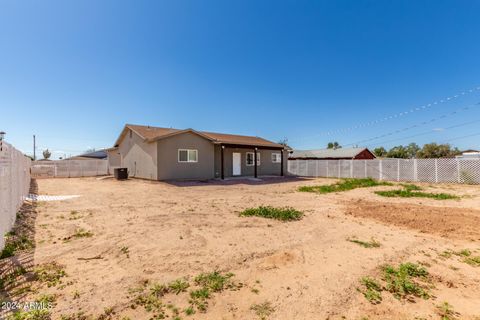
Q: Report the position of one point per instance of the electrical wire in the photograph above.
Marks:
(395, 116)
(443, 116)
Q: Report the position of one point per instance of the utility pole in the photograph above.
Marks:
(34, 148)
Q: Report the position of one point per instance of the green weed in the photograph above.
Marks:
(446, 312)
(373, 290)
(14, 244)
(263, 310)
(344, 185)
(284, 214)
(178, 286)
(50, 273)
(366, 244)
(401, 281)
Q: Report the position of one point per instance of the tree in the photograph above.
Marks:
(398, 152)
(284, 142)
(333, 145)
(433, 150)
(380, 152)
(46, 154)
(412, 150)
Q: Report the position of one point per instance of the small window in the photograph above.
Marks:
(250, 158)
(186, 155)
(276, 157)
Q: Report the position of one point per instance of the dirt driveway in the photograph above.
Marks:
(119, 236)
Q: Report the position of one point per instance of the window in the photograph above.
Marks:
(186, 155)
(250, 158)
(276, 157)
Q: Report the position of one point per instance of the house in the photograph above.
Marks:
(172, 154)
(94, 155)
(333, 154)
(469, 154)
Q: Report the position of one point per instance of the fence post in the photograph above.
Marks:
(351, 168)
(328, 173)
(458, 171)
(436, 170)
(316, 168)
(306, 168)
(380, 169)
(338, 166)
(365, 168)
(398, 170)
(415, 170)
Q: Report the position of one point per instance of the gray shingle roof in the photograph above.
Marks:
(349, 153)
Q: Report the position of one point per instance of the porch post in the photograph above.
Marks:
(255, 160)
(281, 163)
(222, 169)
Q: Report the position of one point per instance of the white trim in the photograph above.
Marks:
(188, 155)
(252, 164)
(278, 157)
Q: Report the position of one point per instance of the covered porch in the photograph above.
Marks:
(240, 160)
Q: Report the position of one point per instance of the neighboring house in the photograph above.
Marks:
(333, 154)
(172, 154)
(94, 155)
(469, 154)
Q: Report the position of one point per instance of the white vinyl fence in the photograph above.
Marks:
(425, 170)
(69, 168)
(14, 185)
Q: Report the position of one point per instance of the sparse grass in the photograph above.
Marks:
(446, 312)
(189, 311)
(366, 244)
(10, 279)
(82, 233)
(473, 261)
(14, 244)
(263, 310)
(216, 281)
(405, 282)
(344, 185)
(411, 194)
(42, 314)
(373, 290)
(125, 251)
(413, 191)
(178, 286)
(50, 273)
(401, 281)
(283, 214)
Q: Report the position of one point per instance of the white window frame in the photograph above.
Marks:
(253, 162)
(277, 158)
(188, 155)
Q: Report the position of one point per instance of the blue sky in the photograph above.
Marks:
(74, 72)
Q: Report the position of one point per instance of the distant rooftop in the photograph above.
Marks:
(339, 153)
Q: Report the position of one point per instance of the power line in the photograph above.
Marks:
(425, 133)
(443, 116)
(397, 115)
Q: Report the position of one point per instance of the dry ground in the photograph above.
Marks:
(306, 269)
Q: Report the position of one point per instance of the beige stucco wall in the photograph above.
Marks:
(266, 167)
(114, 160)
(138, 156)
(170, 169)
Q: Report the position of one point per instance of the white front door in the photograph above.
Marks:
(237, 163)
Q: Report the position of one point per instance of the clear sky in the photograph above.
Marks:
(74, 72)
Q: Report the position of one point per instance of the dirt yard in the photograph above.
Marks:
(121, 236)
